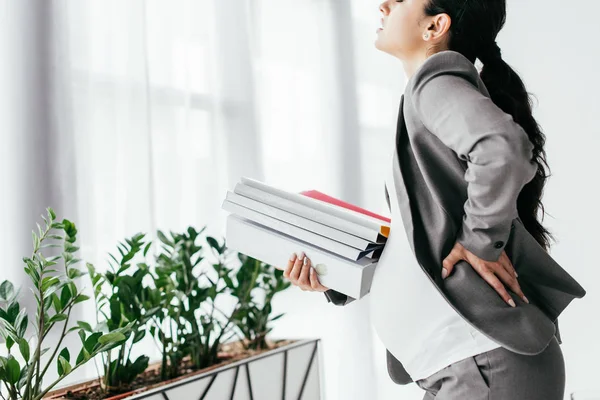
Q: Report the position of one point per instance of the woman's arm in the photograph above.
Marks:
(337, 298)
(497, 150)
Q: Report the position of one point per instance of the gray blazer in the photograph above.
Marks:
(461, 163)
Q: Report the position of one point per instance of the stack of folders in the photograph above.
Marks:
(342, 241)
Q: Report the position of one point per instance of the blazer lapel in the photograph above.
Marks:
(402, 194)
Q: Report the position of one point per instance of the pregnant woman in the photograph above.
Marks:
(464, 184)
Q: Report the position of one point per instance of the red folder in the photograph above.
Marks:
(315, 194)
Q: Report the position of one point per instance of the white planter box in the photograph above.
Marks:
(288, 372)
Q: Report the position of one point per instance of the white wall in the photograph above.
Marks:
(553, 45)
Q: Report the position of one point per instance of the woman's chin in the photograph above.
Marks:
(379, 44)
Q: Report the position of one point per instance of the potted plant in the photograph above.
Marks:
(23, 369)
(121, 305)
(173, 300)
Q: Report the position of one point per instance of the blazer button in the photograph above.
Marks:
(498, 244)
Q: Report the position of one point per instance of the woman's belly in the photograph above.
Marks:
(406, 309)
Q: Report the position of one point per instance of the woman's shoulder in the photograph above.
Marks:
(446, 62)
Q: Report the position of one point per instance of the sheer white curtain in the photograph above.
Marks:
(130, 116)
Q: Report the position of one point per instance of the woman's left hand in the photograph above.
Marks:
(489, 270)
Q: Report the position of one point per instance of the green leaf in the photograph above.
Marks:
(69, 228)
(140, 365)
(57, 318)
(163, 238)
(92, 341)
(50, 246)
(81, 298)
(56, 302)
(83, 356)
(6, 290)
(22, 326)
(9, 342)
(13, 370)
(277, 317)
(75, 273)
(36, 240)
(12, 312)
(84, 325)
(44, 351)
(62, 363)
(213, 243)
(147, 248)
(115, 311)
(65, 354)
(81, 334)
(139, 335)
(111, 337)
(65, 297)
(3, 331)
(24, 349)
(48, 282)
(31, 270)
(63, 366)
(69, 248)
(19, 318)
(51, 214)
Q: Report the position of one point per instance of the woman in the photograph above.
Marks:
(443, 354)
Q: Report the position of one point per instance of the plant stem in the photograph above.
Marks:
(62, 336)
(42, 394)
(119, 363)
(13, 391)
(36, 357)
(129, 352)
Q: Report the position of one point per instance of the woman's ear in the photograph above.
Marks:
(438, 26)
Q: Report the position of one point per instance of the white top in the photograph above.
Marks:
(425, 333)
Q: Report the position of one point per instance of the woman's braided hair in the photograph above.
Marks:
(475, 25)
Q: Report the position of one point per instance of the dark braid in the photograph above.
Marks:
(475, 25)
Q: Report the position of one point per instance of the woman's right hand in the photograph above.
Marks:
(496, 273)
(301, 273)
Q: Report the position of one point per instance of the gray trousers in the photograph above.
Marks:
(500, 374)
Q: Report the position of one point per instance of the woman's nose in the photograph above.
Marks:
(383, 8)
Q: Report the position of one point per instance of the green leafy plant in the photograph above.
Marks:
(252, 317)
(56, 295)
(187, 321)
(119, 295)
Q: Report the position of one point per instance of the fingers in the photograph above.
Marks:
(505, 261)
(449, 262)
(493, 272)
(297, 268)
(495, 283)
(314, 281)
(290, 265)
(300, 272)
(510, 277)
(303, 281)
(510, 281)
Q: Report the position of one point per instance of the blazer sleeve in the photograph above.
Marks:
(497, 150)
(387, 197)
(337, 298)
